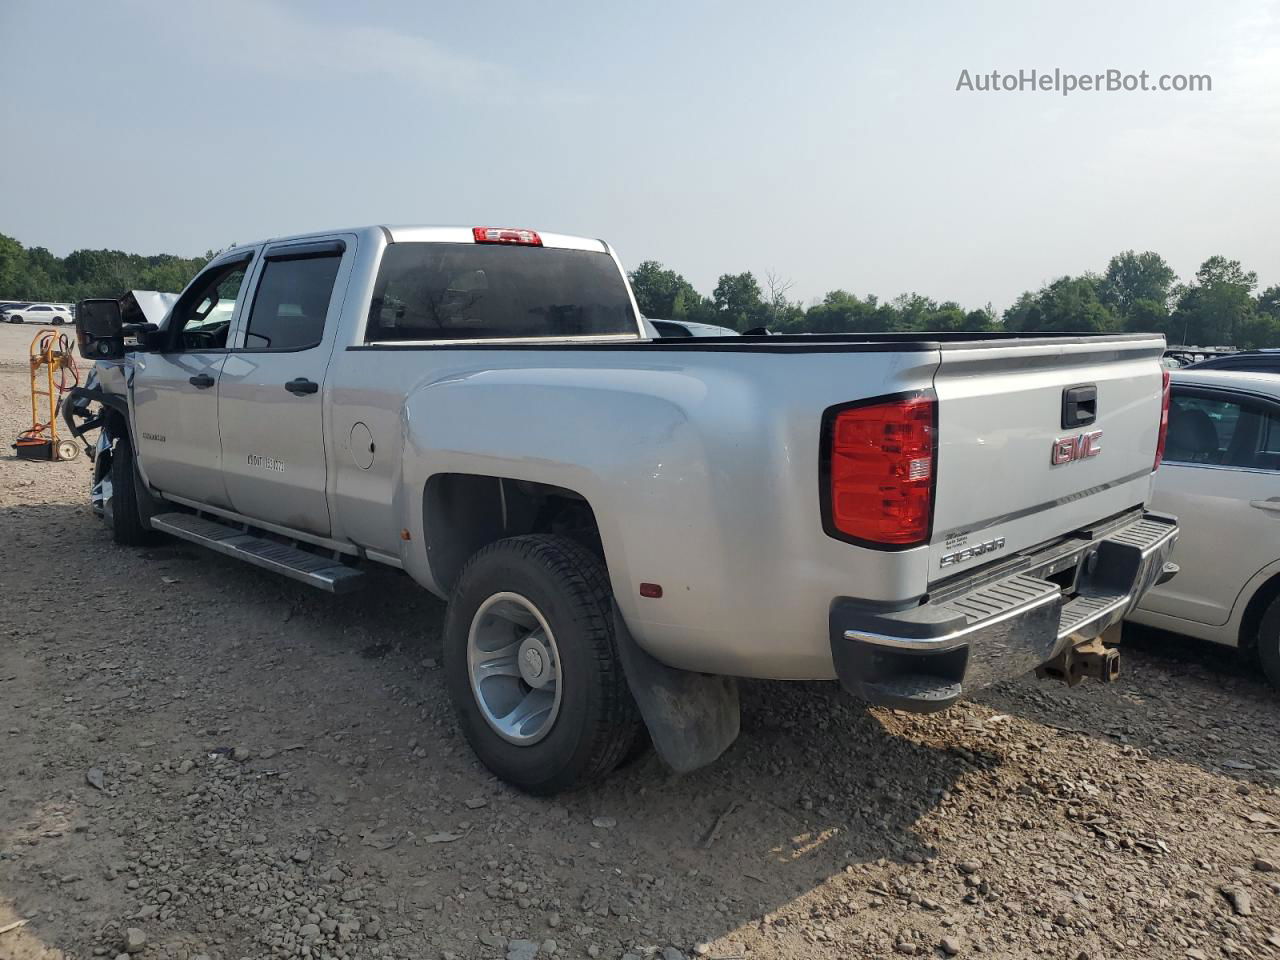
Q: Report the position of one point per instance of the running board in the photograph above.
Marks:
(315, 570)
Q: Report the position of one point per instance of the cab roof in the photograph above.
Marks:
(1268, 383)
(424, 233)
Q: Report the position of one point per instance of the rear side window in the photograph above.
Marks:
(1222, 431)
(289, 308)
(463, 291)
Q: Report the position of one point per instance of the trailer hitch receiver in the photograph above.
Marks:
(1088, 658)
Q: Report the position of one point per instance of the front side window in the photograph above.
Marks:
(43, 309)
(202, 318)
(463, 291)
(1222, 430)
(289, 308)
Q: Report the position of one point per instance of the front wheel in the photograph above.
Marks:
(532, 666)
(120, 507)
(1269, 643)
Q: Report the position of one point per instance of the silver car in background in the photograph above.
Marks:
(1221, 476)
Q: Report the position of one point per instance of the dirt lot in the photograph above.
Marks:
(217, 763)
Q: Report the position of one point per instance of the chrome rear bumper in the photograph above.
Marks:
(927, 656)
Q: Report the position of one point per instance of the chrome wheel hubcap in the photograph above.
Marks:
(514, 668)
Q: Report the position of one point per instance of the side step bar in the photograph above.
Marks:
(312, 569)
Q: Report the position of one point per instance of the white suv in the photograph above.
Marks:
(53, 313)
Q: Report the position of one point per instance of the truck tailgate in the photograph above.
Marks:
(1016, 466)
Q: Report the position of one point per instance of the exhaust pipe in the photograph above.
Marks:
(1088, 658)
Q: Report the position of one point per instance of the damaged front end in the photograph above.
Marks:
(100, 404)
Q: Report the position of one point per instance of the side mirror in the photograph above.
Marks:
(100, 318)
(100, 329)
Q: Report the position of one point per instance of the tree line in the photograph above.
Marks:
(33, 273)
(1136, 292)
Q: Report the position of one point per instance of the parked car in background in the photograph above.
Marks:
(1181, 356)
(53, 313)
(685, 328)
(1246, 361)
(7, 305)
(1221, 476)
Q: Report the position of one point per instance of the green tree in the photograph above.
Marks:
(1133, 277)
(36, 274)
(657, 289)
(1218, 308)
(843, 312)
(1269, 302)
(982, 319)
(738, 302)
(13, 266)
(1148, 316)
(1067, 305)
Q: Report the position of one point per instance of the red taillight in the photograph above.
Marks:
(526, 238)
(1164, 421)
(880, 466)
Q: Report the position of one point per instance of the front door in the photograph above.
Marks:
(271, 393)
(175, 387)
(1221, 478)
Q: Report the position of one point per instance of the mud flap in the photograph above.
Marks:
(692, 717)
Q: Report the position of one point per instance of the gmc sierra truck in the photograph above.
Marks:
(621, 524)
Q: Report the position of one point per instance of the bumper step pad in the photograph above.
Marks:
(925, 657)
(313, 569)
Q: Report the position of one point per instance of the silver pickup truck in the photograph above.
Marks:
(622, 525)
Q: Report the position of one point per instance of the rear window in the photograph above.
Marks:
(464, 291)
(291, 303)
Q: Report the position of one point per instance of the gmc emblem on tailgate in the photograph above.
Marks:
(1067, 449)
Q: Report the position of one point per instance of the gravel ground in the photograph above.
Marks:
(203, 761)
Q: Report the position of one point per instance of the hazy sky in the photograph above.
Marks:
(826, 142)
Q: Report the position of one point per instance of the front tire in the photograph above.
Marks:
(532, 666)
(1269, 643)
(122, 511)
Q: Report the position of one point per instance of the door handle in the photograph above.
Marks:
(301, 386)
(201, 381)
(1272, 505)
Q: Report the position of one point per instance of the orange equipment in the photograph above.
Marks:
(53, 366)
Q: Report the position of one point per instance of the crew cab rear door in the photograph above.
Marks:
(271, 396)
(1038, 439)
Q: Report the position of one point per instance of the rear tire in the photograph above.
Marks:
(58, 321)
(123, 514)
(557, 601)
(1269, 643)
